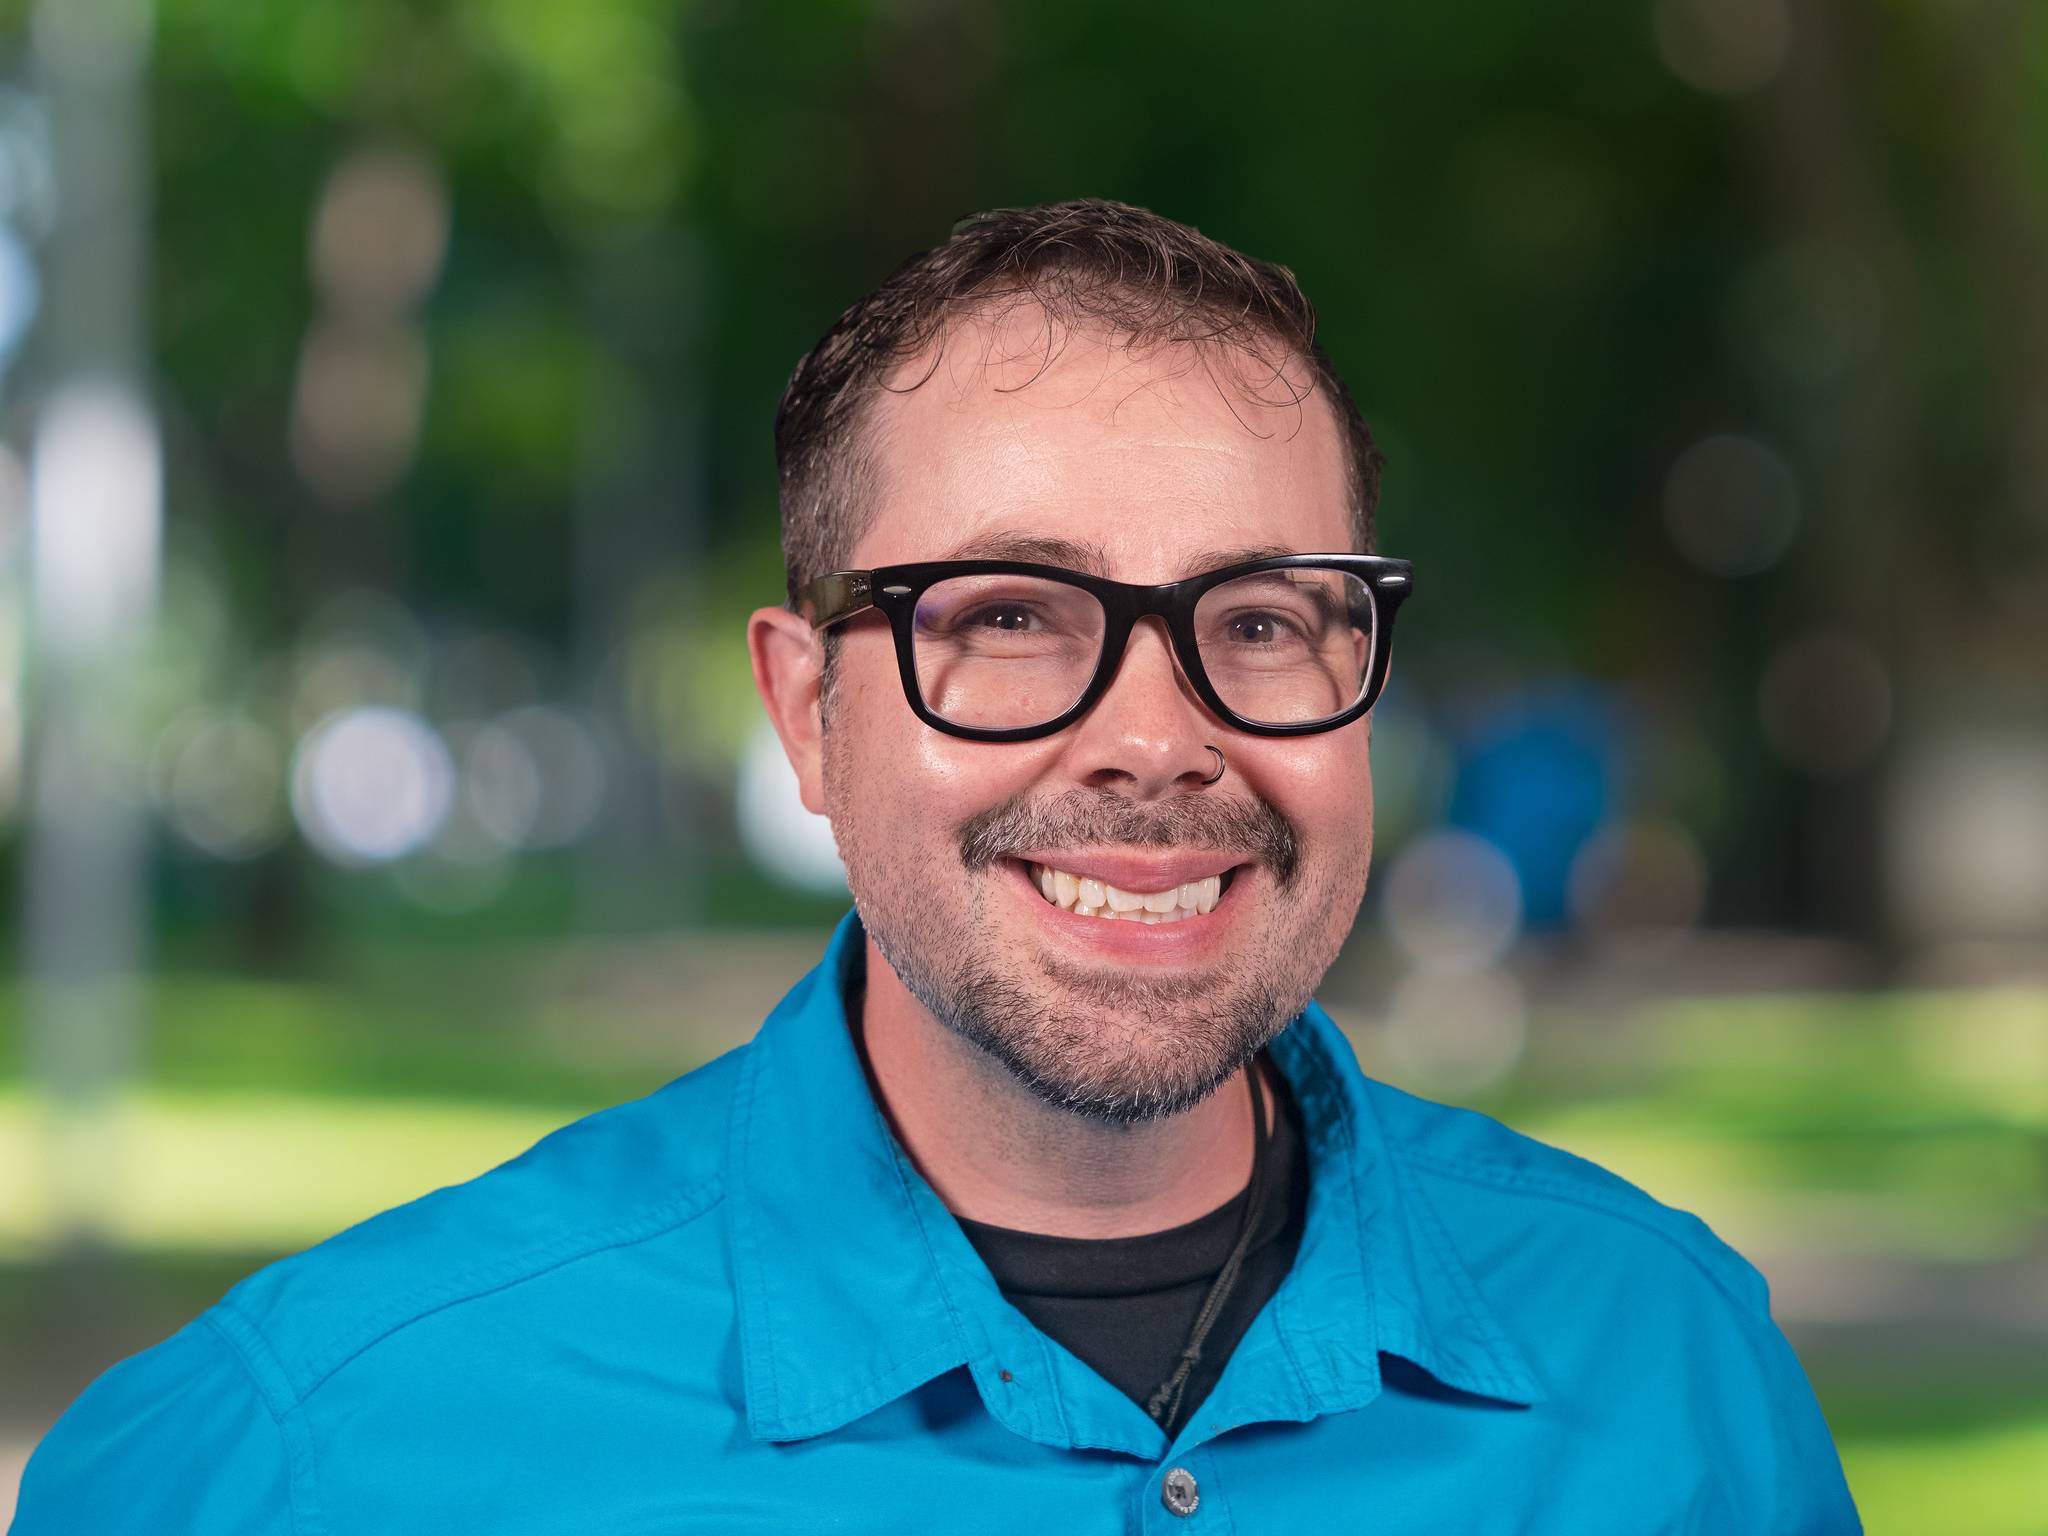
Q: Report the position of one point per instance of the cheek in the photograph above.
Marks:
(893, 784)
(1324, 786)
(943, 780)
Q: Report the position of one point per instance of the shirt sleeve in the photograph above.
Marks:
(176, 1438)
(1812, 1494)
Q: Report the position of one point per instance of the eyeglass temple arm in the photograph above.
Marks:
(828, 599)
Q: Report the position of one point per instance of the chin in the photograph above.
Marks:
(1128, 1098)
(1120, 1062)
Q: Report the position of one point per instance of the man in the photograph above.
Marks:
(1049, 1200)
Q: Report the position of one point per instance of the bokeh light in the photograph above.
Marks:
(1826, 703)
(360, 648)
(371, 785)
(219, 781)
(356, 414)
(464, 866)
(786, 840)
(1806, 313)
(1453, 902)
(1644, 878)
(1968, 826)
(1454, 1032)
(380, 233)
(1723, 47)
(536, 777)
(1412, 769)
(1731, 505)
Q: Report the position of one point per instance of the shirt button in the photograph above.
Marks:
(1179, 1492)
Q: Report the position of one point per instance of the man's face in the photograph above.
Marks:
(1168, 468)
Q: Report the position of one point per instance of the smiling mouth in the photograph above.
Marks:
(1087, 897)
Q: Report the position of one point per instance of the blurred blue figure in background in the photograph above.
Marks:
(1535, 778)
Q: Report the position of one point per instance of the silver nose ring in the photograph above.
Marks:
(1219, 767)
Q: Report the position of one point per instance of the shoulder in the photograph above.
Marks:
(612, 1179)
(1656, 1332)
(175, 1438)
(1470, 1163)
(201, 1430)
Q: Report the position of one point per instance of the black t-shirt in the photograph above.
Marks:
(1124, 1305)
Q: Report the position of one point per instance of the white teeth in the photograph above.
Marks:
(1096, 898)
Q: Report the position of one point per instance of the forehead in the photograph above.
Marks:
(1018, 439)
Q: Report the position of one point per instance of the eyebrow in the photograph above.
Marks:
(1077, 555)
(1041, 549)
(1215, 559)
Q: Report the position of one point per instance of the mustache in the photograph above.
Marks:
(1080, 817)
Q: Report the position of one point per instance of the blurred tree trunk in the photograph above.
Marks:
(1814, 147)
(1939, 570)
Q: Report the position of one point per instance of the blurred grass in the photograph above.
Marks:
(1905, 1127)
(1966, 1480)
(1969, 1190)
(467, 1039)
(1909, 1123)
(245, 1171)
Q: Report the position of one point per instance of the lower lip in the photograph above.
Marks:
(1178, 942)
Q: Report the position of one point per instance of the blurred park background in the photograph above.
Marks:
(385, 475)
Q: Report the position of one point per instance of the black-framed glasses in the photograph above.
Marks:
(1005, 650)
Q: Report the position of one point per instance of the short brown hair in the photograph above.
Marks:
(1102, 265)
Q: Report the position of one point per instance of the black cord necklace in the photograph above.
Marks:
(1164, 1403)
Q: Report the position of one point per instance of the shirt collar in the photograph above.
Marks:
(854, 1284)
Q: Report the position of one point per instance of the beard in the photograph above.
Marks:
(1105, 1043)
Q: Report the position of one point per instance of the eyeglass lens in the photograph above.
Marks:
(1280, 647)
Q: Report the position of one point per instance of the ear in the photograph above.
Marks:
(789, 659)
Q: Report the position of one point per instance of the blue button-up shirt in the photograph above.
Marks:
(735, 1306)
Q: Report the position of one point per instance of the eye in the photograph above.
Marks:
(1258, 628)
(1012, 618)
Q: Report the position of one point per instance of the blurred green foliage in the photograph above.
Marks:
(1546, 262)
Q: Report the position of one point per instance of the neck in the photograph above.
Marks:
(997, 1153)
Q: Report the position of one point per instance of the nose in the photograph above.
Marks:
(1147, 735)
